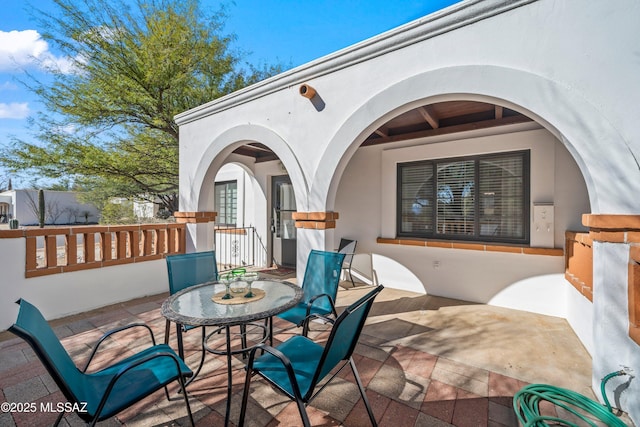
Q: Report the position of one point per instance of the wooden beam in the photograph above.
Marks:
(429, 115)
(246, 151)
(258, 148)
(485, 124)
(498, 110)
(383, 131)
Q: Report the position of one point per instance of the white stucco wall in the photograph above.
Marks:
(614, 349)
(549, 60)
(59, 295)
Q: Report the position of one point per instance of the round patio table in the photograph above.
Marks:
(195, 306)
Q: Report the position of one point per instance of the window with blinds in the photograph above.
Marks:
(483, 198)
(226, 201)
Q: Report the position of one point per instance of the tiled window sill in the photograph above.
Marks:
(472, 246)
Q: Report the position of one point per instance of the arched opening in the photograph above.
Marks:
(244, 183)
(492, 205)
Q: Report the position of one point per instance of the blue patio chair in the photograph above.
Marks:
(186, 270)
(101, 394)
(298, 365)
(320, 287)
(348, 248)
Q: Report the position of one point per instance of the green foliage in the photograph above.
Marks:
(118, 213)
(109, 117)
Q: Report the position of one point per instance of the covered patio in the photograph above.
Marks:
(461, 151)
(536, 278)
(424, 360)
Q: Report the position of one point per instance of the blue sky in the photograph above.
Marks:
(291, 32)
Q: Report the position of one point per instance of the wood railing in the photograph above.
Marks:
(578, 262)
(53, 250)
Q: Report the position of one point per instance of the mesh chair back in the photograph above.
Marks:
(348, 248)
(322, 276)
(35, 330)
(190, 269)
(345, 334)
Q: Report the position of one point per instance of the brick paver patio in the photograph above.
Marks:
(407, 384)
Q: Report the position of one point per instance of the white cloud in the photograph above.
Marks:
(8, 86)
(15, 110)
(19, 49)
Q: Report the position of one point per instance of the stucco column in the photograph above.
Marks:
(314, 231)
(616, 239)
(199, 230)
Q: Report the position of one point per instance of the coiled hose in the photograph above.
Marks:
(526, 404)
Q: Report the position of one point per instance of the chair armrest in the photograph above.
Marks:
(113, 332)
(312, 316)
(316, 297)
(134, 364)
(283, 359)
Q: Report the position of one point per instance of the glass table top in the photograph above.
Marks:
(194, 305)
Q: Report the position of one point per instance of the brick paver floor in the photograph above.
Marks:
(416, 369)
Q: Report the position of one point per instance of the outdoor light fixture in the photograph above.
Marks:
(307, 91)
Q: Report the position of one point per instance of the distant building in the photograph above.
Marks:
(61, 207)
(144, 209)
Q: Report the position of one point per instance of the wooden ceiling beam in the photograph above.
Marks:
(430, 116)
(259, 148)
(246, 150)
(382, 131)
(484, 124)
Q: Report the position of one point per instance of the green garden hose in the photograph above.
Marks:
(526, 404)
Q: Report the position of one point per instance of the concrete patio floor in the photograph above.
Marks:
(425, 361)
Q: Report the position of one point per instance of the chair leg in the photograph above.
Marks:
(243, 339)
(167, 329)
(363, 393)
(267, 328)
(351, 277)
(303, 413)
(180, 343)
(245, 395)
(186, 399)
(59, 419)
(203, 352)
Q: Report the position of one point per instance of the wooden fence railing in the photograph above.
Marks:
(53, 250)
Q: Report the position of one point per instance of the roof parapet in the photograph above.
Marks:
(440, 22)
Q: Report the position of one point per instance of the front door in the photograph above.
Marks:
(283, 205)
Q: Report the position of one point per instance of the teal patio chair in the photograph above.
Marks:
(104, 393)
(320, 287)
(186, 270)
(298, 365)
(348, 248)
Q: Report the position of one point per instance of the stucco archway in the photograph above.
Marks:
(196, 186)
(565, 113)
